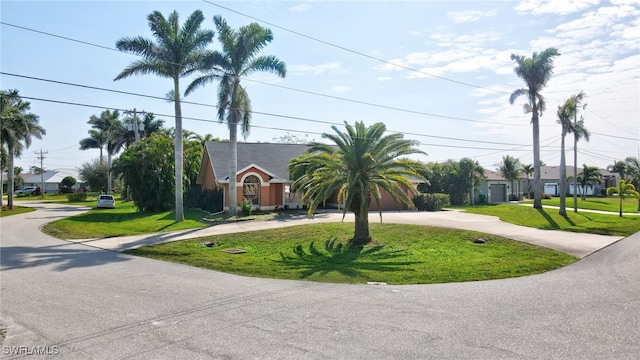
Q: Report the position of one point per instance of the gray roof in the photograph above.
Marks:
(271, 157)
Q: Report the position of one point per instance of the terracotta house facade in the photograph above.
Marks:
(263, 176)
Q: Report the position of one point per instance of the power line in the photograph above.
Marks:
(254, 112)
(356, 52)
(253, 126)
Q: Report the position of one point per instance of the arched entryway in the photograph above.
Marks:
(251, 190)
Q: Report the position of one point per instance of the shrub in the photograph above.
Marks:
(431, 202)
(514, 197)
(246, 207)
(79, 196)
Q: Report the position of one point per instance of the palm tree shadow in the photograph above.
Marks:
(552, 223)
(348, 260)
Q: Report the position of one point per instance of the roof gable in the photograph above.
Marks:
(272, 158)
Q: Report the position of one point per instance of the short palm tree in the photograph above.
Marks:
(363, 162)
(566, 118)
(527, 170)
(510, 170)
(589, 176)
(623, 189)
(238, 58)
(175, 54)
(96, 140)
(535, 72)
(17, 128)
(633, 173)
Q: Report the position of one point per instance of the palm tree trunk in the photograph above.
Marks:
(537, 196)
(108, 172)
(361, 234)
(10, 178)
(178, 151)
(563, 179)
(233, 164)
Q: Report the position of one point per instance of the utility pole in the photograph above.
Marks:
(133, 125)
(41, 158)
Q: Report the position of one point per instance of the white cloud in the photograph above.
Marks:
(313, 69)
(559, 7)
(300, 8)
(470, 15)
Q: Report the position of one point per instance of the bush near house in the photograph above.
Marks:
(79, 196)
(431, 202)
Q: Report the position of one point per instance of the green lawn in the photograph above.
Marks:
(629, 205)
(399, 254)
(121, 221)
(17, 210)
(582, 222)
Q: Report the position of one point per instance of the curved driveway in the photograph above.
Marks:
(87, 303)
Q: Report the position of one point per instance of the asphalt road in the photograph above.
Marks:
(73, 301)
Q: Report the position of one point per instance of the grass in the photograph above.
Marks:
(399, 254)
(121, 221)
(15, 211)
(612, 204)
(581, 222)
(62, 199)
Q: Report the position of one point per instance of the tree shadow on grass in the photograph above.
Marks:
(348, 260)
(552, 223)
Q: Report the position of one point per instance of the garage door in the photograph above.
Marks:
(498, 193)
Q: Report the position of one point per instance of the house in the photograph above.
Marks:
(5, 180)
(263, 176)
(52, 179)
(495, 189)
(550, 178)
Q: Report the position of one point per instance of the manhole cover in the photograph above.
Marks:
(234, 251)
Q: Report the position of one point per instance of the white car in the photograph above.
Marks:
(29, 190)
(106, 201)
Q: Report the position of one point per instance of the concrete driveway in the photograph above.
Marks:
(74, 301)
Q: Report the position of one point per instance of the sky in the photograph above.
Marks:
(440, 72)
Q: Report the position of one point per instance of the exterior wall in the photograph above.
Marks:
(209, 179)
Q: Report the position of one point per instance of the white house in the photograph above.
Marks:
(53, 179)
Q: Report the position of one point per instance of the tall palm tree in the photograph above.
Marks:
(363, 162)
(173, 55)
(589, 176)
(535, 72)
(510, 170)
(623, 189)
(566, 118)
(17, 128)
(238, 58)
(527, 170)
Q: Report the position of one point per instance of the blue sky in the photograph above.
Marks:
(454, 100)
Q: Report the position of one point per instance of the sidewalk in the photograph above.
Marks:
(577, 244)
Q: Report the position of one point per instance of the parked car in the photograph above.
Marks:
(106, 201)
(26, 191)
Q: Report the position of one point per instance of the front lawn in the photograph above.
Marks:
(581, 222)
(612, 204)
(121, 221)
(15, 211)
(399, 254)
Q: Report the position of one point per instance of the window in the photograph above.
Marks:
(251, 190)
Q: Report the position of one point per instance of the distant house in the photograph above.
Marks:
(263, 176)
(52, 179)
(550, 178)
(5, 180)
(495, 189)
